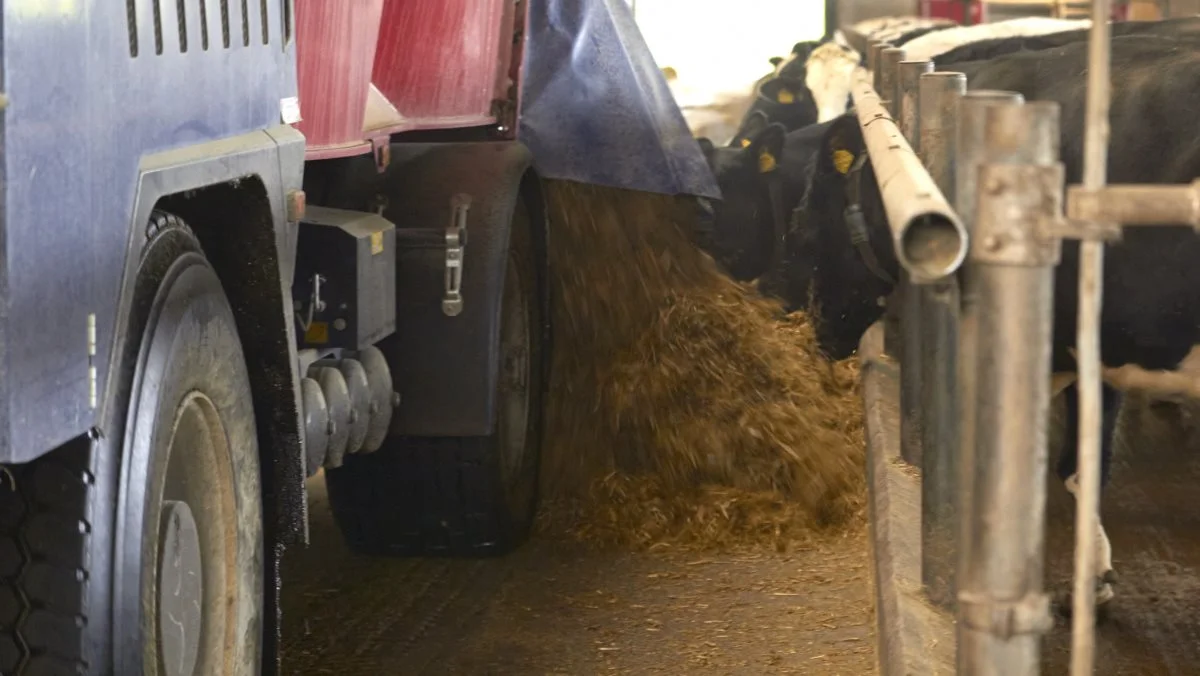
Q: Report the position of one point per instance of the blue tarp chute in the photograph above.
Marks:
(595, 107)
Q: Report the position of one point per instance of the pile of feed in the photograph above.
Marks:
(685, 409)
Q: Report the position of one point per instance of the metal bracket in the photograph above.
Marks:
(378, 204)
(1137, 204)
(381, 150)
(1006, 619)
(1016, 203)
(1073, 228)
(456, 242)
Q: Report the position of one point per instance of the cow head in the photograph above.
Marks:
(829, 76)
(781, 100)
(743, 219)
(846, 290)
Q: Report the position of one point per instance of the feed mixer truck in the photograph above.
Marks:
(242, 242)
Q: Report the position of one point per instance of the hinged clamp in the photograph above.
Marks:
(456, 242)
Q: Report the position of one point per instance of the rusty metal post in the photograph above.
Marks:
(889, 61)
(937, 112)
(913, 353)
(873, 62)
(909, 100)
(1002, 609)
(969, 153)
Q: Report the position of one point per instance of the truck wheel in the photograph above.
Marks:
(460, 496)
(144, 554)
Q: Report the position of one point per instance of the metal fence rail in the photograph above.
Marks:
(975, 341)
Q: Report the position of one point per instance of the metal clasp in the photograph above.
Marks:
(456, 242)
(1029, 614)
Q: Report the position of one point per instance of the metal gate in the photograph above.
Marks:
(976, 325)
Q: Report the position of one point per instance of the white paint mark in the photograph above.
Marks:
(91, 352)
(289, 110)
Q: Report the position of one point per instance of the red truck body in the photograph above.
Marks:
(371, 68)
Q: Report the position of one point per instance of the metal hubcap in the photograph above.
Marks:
(180, 587)
(197, 545)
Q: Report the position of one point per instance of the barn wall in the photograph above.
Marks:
(729, 42)
(853, 11)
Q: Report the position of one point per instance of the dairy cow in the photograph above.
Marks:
(786, 97)
(934, 45)
(813, 84)
(757, 180)
(991, 47)
(1151, 314)
(817, 88)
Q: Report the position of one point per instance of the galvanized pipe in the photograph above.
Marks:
(908, 100)
(1002, 609)
(1087, 344)
(929, 239)
(936, 362)
(938, 113)
(1136, 204)
(889, 61)
(969, 153)
(912, 352)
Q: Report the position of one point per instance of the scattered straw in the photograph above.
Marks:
(685, 410)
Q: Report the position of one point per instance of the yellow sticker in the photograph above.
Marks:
(785, 96)
(317, 333)
(745, 143)
(377, 242)
(842, 159)
(766, 162)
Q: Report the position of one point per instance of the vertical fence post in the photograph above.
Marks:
(909, 100)
(939, 94)
(1091, 279)
(1002, 610)
(873, 63)
(908, 297)
(889, 61)
(892, 334)
(969, 153)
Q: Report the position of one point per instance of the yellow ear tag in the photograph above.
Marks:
(766, 162)
(785, 96)
(842, 159)
(745, 143)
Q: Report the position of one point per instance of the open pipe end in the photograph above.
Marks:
(932, 246)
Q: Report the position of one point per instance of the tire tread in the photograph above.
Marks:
(433, 496)
(44, 548)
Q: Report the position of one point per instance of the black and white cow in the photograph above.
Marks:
(898, 29)
(786, 97)
(989, 48)
(757, 181)
(935, 45)
(1151, 314)
(813, 84)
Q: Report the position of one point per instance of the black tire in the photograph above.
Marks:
(82, 528)
(457, 496)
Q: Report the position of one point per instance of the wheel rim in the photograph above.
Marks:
(515, 369)
(195, 557)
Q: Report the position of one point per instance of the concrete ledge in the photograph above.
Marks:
(915, 639)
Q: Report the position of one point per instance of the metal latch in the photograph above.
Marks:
(456, 242)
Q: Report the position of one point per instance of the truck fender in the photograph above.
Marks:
(446, 367)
